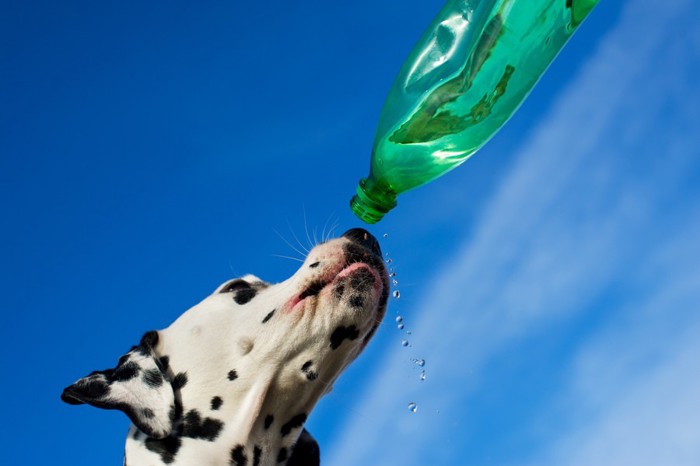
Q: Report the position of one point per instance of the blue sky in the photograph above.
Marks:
(552, 283)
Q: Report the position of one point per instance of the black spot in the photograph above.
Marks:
(167, 448)
(85, 391)
(305, 452)
(362, 280)
(152, 378)
(95, 389)
(148, 341)
(355, 253)
(342, 333)
(269, 316)
(235, 285)
(268, 421)
(232, 374)
(569, 3)
(136, 435)
(216, 403)
(238, 457)
(306, 369)
(179, 381)
(243, 296)
(175, 411)
(338, 291)
(313, 289)
(164, 363)
(256, 455)
(125, 372)
(293, 423)
(196, 427)
(357, 301)
(314, 265)
(148, 413)
(282, 455)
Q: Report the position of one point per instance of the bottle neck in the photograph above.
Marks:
(372, 200)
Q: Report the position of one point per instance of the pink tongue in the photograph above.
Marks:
(343, 273)
(351, 268)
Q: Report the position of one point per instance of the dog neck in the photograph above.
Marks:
(251, 410)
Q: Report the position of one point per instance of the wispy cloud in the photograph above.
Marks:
(598, 185)
(634, 392)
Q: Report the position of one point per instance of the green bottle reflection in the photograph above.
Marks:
(471, 70)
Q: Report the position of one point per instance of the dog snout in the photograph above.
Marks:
(364, 238)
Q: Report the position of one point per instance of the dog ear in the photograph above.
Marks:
(306, 451)
(139, 386)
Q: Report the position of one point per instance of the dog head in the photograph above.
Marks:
(237, 375)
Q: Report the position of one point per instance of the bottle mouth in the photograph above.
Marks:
(368, 208)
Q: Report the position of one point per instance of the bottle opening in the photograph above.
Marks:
(371, 206)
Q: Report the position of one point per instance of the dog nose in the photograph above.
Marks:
(364, 238)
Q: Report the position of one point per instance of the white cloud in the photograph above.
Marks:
(634, 394)
(570, 219)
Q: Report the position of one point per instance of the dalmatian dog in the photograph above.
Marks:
(233, 379)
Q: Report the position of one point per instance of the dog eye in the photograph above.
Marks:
(235, 285)
(314, 265)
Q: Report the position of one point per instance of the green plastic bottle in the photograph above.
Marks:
(467, 75)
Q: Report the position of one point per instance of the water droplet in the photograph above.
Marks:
(422, 375)
(385, 235)
(408, 332)
(404, 343)
(395, 282)
(389, 261)
(412, 407)
(399, 322)
(420, 362)
(386, 254)
(392, 274)
(397, 295)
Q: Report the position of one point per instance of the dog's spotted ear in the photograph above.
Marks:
(306, 451)
(139, 386)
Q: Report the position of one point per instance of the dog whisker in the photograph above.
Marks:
(296, 238)
(323, 232)
(306, 229)
(294, 248)
(288, 257)
(331, 232)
